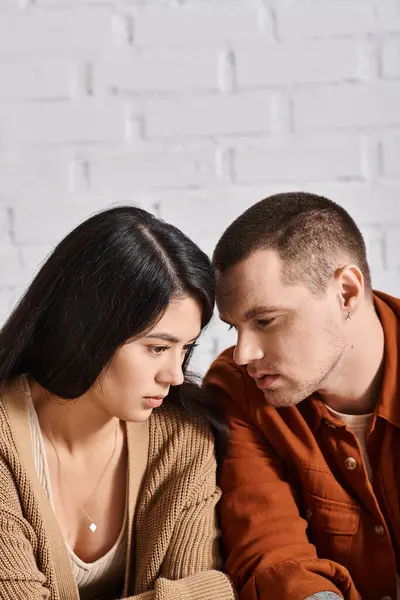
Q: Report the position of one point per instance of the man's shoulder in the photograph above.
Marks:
(225, 362)
(231, 382)
(227, 354)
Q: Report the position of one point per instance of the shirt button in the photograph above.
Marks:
(380, 530)
(386, 598)
(350, 463)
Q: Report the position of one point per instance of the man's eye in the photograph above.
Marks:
(263, 323)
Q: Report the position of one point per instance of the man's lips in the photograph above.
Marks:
(260, 374)
(265, 380)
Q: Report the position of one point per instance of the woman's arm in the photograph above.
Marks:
(190, 568)
(209, 585)
(20, 577)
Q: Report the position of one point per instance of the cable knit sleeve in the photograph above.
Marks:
(20, 577)
(190, 568)
(210, 585)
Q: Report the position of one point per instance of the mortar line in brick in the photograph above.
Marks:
(227, 71)
(384, 252)
(224, 164)
(156, 209)
(266, 15)
(11, 224)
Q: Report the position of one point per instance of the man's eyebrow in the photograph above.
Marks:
(258, 310)
(166, 337)
(253, 312)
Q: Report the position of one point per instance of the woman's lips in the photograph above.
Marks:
(154, 402)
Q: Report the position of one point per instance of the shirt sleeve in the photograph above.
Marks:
(269, 556)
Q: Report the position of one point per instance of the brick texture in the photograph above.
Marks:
(195, 109)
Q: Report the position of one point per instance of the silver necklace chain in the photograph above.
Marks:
(92, 524)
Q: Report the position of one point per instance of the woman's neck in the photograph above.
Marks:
(75, 423)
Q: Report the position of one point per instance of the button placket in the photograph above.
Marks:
(379, 530)
(350, 463)
(308, 514)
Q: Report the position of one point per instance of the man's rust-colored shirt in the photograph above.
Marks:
(299, 514)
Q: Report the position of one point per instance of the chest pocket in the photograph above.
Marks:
(332, 526)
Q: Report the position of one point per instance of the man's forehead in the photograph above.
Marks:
(254, 287)
(231, 288)
(236, 299)
(254, 274)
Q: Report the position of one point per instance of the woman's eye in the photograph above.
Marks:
(158, 349)
(189, 348)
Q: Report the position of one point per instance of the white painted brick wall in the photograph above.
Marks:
(391, 59)
(315, 61)
(322, 19)
(348, 106)
(128, 71)
(195, 109)
(201, 23)
(218, 114)
(391, 157)
(299, 159)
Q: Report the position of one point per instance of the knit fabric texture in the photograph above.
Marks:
(172, 539)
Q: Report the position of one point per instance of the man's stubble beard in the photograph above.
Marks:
(295, 394)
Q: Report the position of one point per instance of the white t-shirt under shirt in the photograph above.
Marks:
(358, 424)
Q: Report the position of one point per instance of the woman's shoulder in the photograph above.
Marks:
(5, 419)
(177, 420)
(13, 413)
(10, 466)
(183, 438)
(182, 444)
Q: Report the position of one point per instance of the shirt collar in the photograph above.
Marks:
(388, 405)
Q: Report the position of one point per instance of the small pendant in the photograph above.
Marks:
(92, 527)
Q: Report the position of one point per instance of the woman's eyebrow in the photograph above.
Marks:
(167, 337)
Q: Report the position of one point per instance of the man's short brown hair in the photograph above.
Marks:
(309, 233)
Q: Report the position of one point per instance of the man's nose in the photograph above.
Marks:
(247, 350)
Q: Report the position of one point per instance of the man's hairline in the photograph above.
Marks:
(288, 280)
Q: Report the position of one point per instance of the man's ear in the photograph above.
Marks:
(351, 287)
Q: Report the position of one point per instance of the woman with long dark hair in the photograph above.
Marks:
(107, 462)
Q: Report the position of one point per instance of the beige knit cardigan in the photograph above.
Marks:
(172, 539)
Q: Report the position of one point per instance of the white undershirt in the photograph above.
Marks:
(107, 569)
(358, 424)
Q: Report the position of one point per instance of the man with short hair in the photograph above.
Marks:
(311, 476)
